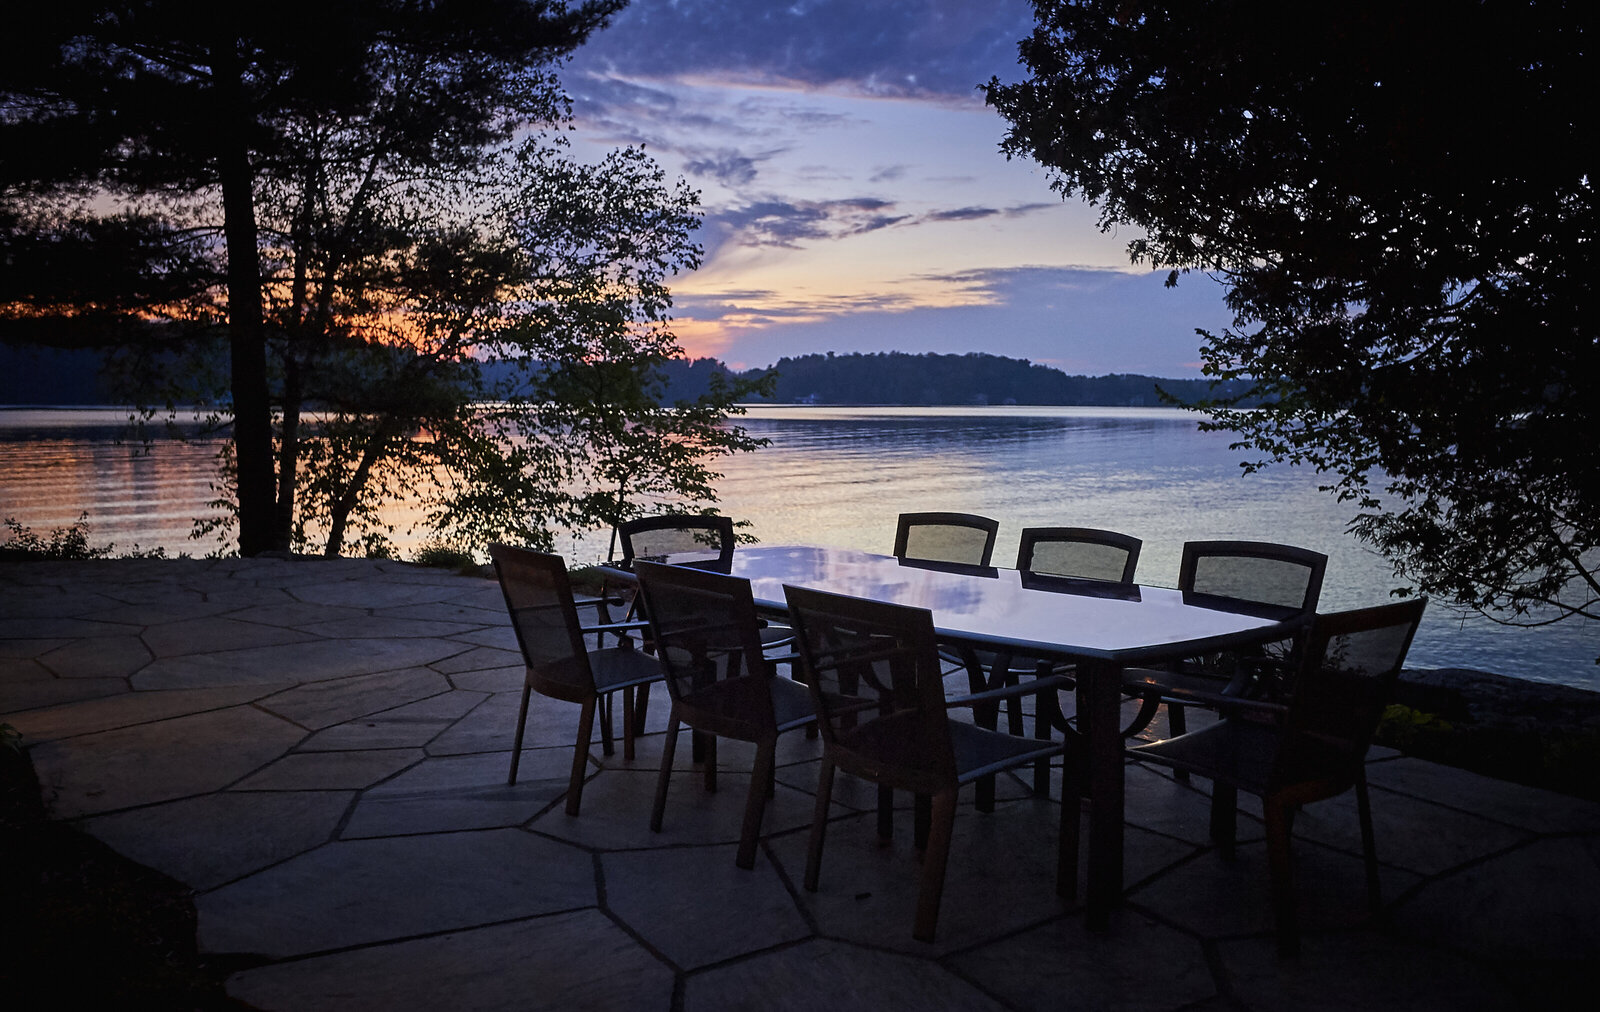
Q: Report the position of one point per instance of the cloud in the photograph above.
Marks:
(964, 214)
(931, 49)
(727, 165)
(786, 224)
(1083, 319)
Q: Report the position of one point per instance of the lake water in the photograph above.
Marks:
(840, 476)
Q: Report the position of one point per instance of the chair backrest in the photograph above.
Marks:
(539, 598)
(685, 537)
(1259, 572)
(1345, 680)
(963, 538)
(708, 637)
(875, 679)
(1080, 552)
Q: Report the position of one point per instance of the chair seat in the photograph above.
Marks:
(791, 703)
(619, 667)
(1255, 758)
(980, 752)
(726, 707)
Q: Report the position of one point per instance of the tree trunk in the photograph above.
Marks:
(288, 457)
(376, 446)
(247, 339)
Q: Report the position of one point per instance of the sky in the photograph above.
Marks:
(854, 195)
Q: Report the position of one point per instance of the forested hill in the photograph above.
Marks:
(975, 378)
(52, 377)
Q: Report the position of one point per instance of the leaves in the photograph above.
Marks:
(1401, 202)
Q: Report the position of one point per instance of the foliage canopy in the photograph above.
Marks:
(357, 196)
(1400, 199)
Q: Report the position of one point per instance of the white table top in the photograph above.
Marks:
(1048, 616)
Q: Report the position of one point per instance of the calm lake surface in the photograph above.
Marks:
(840, 476)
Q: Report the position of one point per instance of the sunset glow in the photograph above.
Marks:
(854, 196)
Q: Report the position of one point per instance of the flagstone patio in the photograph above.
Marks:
(319, 748)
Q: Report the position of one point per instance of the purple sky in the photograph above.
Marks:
(854, 196)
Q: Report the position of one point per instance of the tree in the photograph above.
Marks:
(198, 108)
(503, 368)
(1400, 199)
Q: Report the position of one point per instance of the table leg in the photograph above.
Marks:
(1099, 700)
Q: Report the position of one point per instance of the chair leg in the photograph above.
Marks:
(516, 742)
(1280, 820)
(641, 709)
(1041, 732)
(1224, 817)
(580, 755)
(1369, 850)
(755, 803)
(607, 741)
(1177, 723)
(983, 790)
(669, 749)
(629, 729)
(711, 763)
(934, 861)
(921, 820)
(819, 824)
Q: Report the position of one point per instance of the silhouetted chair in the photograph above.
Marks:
(679, 538)
(708, 637)
(961, 538)
(1077, 553)
(1256, 577)
(1312, 748)
(875, 679)
(559, 663)
(1082, 553)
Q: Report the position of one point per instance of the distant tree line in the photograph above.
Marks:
(974, 378)
(61, 377)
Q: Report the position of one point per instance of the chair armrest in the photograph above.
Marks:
(614, 627)
(1029, 688)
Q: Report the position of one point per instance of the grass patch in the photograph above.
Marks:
(1564, 761)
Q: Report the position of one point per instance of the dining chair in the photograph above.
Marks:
(558, 662)
(874, 675)
(1311, 748)
(1082, 553)
(687, 536)
(961, 538)
(1257, 577)
(721, 680)
(1073, 553)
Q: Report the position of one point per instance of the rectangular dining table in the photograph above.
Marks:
(1100, 627)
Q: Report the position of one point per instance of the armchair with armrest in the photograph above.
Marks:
(558, 661)
(1311, 748)
(875, 679)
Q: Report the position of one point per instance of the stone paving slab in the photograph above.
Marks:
(208, 840)
(468, 792)
(411, 726)
(355, 892)
(1143, 964)
(159, 761)
(316, 705)
(578, 960)
(827, 974)
(734, 912)
(324, 761)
